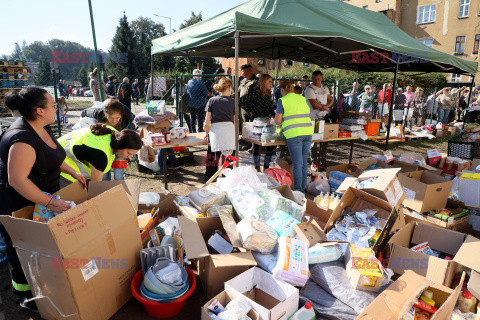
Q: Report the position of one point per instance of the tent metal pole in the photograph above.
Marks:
(390, 113)
(471, 90)
(277, 66)
(237, 108)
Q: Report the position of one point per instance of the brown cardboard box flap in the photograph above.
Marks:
(131, 186)
(379, 173)
(474, 284)
(102, 214)
(310, 233)
(194, 243)
(233, 259)
(440, 239)
(469, 253)
(73, 192)
(395, 301)
(320, 215)
(31, 235)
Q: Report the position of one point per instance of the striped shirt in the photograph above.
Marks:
(262, 106)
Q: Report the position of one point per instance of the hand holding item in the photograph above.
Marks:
(58, 205)
(81, 179)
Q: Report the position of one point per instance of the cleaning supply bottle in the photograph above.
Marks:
(318, 199)
(325, 202)
(305, 313)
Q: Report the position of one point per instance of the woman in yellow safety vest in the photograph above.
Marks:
(91, 151)
(293, 113)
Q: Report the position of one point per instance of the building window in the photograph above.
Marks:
(365, 7)
(427, 42)
(426, 14)
(456, 77)
(464, 8)
(460, 44)
(476, 43)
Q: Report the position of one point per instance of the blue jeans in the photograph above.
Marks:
(443, 115)
(299, 147)
(172, 161)
(198, 116)
(118, 174)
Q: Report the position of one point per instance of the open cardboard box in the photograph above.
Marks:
(358, 200)
(424, 190)
(224, 298)
(360, 266)
(103, 225)
(270, 298)
(463, 247)
(386, 186)
(345, 167)
(214, 269)
(330, 131)
(451, 223)
(395, 301)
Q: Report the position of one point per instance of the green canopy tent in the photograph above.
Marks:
(329, 33)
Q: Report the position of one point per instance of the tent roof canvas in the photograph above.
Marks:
(323, 32)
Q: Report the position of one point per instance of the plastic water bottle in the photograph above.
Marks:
(305, 313)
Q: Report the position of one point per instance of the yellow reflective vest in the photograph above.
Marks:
(85, 137)
(296, 116)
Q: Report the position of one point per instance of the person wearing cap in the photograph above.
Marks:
(248, 84)
(124, 93)
(197, 93)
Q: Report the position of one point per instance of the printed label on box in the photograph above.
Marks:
(389, 156)
(410, 194)
(390, 196)
(89, 270)
(433, 156)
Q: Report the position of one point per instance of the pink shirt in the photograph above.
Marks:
(410, 97)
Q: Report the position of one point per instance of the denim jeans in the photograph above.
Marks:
(299, 147)
(443, 115)
(118, 174)
(172, 161)
(198, 116)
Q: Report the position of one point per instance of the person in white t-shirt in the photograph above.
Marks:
(318, 97)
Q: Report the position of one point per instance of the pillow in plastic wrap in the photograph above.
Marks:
(332, 277)
(266, 262)
(292, 265)
(248, 204)
(241, 175)
(282, 223)
(257, 235)
(206, 197)
(325, 305)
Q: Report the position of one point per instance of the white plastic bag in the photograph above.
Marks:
(148, 198)
(257, 236)
(242, 174)
(413, 158)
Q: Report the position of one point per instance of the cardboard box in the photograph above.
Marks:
(463, 247)
(214, 269)
(424, 190)
(451, 223)
(166, 208)
(331, 131)
(247, 130)
(310, 232)
(270, 298)
(358, 200)
(320, 215)
(345, 167)
(433, 156)
(364, 271)
(386, 186)
(395, 301)
(318, 130)
(60, 252)
(224, 298)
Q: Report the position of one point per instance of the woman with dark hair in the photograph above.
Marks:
(30, 164)
(91, 151)
(114, 113)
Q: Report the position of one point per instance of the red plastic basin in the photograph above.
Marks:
(162, 310)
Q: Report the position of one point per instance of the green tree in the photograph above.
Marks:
(82, 76)
(44, 75)
(151, 29)
(124, 44)
(194, 18)
(17, 52)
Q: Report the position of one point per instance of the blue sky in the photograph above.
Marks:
(33, 20)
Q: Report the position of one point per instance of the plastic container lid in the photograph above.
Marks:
(308, 305)
(466, 294)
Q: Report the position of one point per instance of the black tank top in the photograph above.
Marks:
(45, 173)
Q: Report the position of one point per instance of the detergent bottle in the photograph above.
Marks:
(305, 313)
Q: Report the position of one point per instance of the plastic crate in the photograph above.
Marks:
(472, 116)
(462, 149)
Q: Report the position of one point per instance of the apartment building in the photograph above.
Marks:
(450, 26)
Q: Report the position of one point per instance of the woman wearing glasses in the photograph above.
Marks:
(30, 164)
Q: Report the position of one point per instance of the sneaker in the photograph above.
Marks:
(29, 305)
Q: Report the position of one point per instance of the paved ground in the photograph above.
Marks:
(180, 182)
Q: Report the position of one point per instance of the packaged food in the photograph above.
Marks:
(183, 205)
(257, 236)
(206, 197)
(467, 302)
(215, 211)
(156, 139)
(292, 265)
(282, 223)
(179, 132)
(43, 214)
(364, 271)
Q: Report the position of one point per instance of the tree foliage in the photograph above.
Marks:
(17, 52)
(44, 75)
(123, 44)
(194, 18)
(82, 76)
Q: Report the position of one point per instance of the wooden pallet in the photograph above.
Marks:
(12, 63)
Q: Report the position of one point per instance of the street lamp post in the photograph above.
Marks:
(170, 19)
